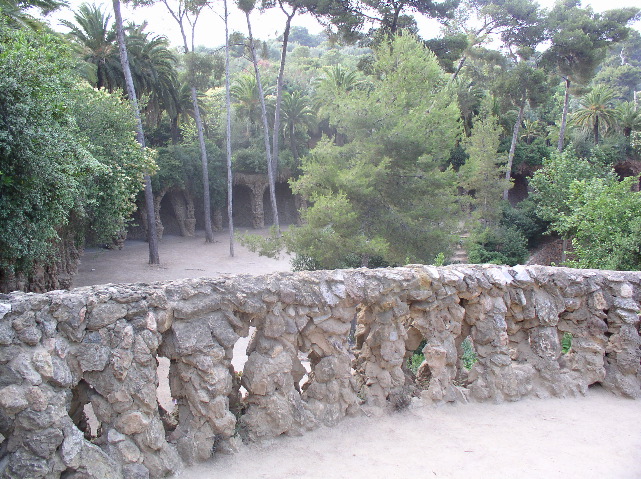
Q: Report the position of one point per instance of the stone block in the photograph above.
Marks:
(13, 399)
(104, 314)
(92, 356)
(132, 423)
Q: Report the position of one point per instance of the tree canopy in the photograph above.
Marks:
(382, 193)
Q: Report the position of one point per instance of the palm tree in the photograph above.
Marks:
(531, 130)
(95, 40)
(595, 112)
(338, 80)
(15, 12)
(153, 67)
(297, 115)
(628, 117)
(245, 92)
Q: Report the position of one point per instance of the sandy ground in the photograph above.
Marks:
(179, 258)
(598, 436)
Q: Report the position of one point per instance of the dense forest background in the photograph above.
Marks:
(513, 125)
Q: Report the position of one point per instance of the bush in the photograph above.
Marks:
(469, 356)
(523, 218)
(531, 154)
(503, 245)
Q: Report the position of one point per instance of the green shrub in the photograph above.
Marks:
(468, 356)
(414, 362)
(523, 218)
(531, 154)
(417, 358)
(250, 160)
(503, 245)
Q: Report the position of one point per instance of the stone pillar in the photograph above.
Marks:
(258, 212)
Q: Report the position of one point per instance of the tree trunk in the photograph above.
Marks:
(175, 132)
(230, 179)
(270, 166)
(515, 139)
(564, 118)
(209, 234)
(564, 248)
(458, 68)
(292, 141)
(596, 129)
(154, 257)
(279, 95)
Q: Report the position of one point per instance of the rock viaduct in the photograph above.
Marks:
(356, 328)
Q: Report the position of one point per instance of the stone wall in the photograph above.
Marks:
(62, 350)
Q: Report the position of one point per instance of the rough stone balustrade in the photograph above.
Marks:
(99, 345)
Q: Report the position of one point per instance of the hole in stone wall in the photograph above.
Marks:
(167, 407)
(416, 358)
(82, 413)
(302, 384)
(240, 357)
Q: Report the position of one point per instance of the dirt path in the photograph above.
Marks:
(598, 436)
(592, 437)
(180, 257)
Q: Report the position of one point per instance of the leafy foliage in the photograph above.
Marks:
(552, 183)
(106, 129)
(43, 164)
(605, 216)
(500, 245)
(484, 171)
(179, 166)
(566, 343)
(469, 356)
(66, 152)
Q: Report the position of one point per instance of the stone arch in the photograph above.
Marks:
(243, 208)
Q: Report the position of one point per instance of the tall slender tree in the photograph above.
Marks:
(154, 257)
(189, 11)
(522, 85)
(230, 178)
(247, 6)
(279, 92)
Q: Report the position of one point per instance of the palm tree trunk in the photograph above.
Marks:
(515, 139)
(230, 179)
(279, 96)
(154, 257)
(292, 143)
(209, 233)
(564, 118)
(270, 166)
(175, 133)
(596, 129)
